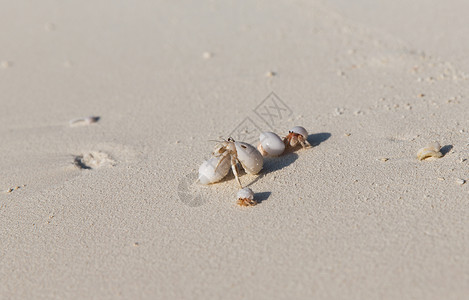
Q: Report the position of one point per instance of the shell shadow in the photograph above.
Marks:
(316, 139)
(446, 149)
(272, 164)
(262, 196)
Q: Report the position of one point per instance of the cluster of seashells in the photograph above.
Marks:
(230, 154)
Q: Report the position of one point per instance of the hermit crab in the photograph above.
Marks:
(246, 197)
(297, 135)
(230, 153)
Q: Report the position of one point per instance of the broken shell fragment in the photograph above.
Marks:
(432, 150)
(84, 121)
(246, 197)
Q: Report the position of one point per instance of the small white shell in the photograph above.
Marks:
(432, 150)
(251, 159)
(246, 197)
(207, 173)
(300, 130)
(270, 144)
(245, 193)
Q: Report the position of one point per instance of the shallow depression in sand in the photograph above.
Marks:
(93, 160)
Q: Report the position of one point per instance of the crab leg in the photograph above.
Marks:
(304, 143)
(234, 167)
(224, 156)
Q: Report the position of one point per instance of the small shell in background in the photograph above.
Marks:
(431, 150)
(246, 197)
(270, 144)
(84, 121)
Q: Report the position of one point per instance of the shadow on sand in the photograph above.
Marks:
(445, 149)
(261, 196)
(272, 164)
(317, 138)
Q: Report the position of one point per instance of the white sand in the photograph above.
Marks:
(335, 221)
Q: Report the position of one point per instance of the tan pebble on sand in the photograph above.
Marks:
(432, 150)
(6, 64)
(207, 55)
(49, 27)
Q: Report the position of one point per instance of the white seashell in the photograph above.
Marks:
(300, 130)
(270, 144)
(246, 197)
(210, 173)
(245, 193)
(249, 157)
(432, 150)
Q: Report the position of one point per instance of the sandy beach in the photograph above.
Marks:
(107, 207)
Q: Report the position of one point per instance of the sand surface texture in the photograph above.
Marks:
(108, 209)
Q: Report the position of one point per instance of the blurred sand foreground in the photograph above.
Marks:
(107, 210)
